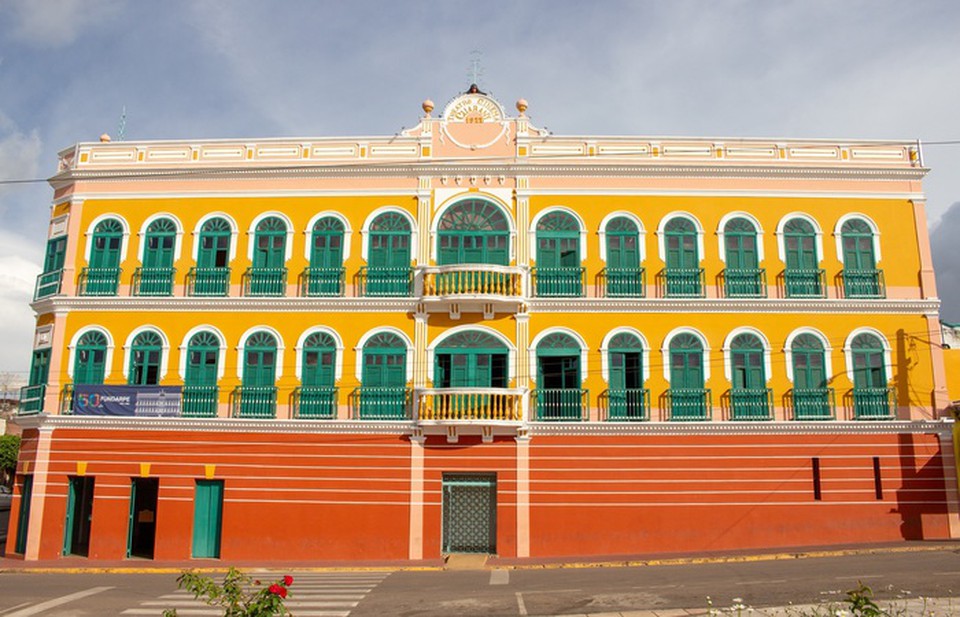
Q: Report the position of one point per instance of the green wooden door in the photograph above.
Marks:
(625, 363)
(212, 274)
(810, 395)
(258, 396)
(559, 395)
(802, 276)
(871, 396)
(559, 271)
(103, 273)
(742, 274)
(749, 397)
(76, 537)
(388, 259)
(470, 360)
(624, 277)
(473, 231)
(156, 275)
(687, 394)
(317, 395)
(207, 519)
(683, 258)
(39, 367)
(200, 391)
(145, 358)
(860, 276)
(268, 275)
(325, 277)
(23, 516)
(90, 359)
(384, 377)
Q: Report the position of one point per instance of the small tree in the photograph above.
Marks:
(237, 596)
(9, 449)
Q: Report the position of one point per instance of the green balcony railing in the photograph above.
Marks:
(322, 282)
(255, 402)
(208, 281)
(863, 284)
(470, 404)
(813, 404)
(689, 404)
(624, 282)
(874, 403)
(265, 282)
(31, 399)
(805, 283)
(315, 402)
(153, 281)
(472, 280)
(751, 404)
(560, 404)
(389, 282)
(199, 401)
(745, 282)
(627, 404)
(99, 281)
(48, 284)
(382, 402)
(565, 282)
(683, 282)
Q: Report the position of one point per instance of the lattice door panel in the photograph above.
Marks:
(470, 513)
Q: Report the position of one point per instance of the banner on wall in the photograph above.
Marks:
(143, 401)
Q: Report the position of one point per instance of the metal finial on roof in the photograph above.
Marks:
(475, 72)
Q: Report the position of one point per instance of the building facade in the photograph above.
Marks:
(477, 336)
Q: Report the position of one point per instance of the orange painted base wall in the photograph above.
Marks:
(344, 497)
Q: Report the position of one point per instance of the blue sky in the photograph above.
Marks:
(853, 69)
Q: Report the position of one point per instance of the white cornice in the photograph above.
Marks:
(218, 425)
(61, 304)
(764, 193)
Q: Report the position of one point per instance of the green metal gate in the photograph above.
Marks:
(469, 513)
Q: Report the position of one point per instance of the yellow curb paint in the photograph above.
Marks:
(209, 471)
(144, 470)
(81, 468)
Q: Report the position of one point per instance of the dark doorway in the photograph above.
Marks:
(142, 533)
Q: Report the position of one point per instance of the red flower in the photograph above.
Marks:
(283, 592)
(287, 580)
(277, 590)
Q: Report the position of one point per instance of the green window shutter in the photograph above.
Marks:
(203, 357)
(207, 519)
(558, 362)
(270, 243)
(746, 355)
(319, 360)
(686, 362)
(384, 361)
(857, 240)
(260, 360)
(623, 243)
(214, 249)
(145, 357)
(107, 240)
(799, 241)
(90, 359)
(740, 239)
(326, 247)
(473, 231)
(39, 367)
(389, 241)
(558, 241)
(681, 243)
(625, 362)
(808, 363)
(868, 362)
(159, 244)
(471, 359)
(56, 254)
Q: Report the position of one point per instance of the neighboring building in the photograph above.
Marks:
(476, 336)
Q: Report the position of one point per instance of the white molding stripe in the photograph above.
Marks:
(62, 304)
(656, 192)
(252, 193)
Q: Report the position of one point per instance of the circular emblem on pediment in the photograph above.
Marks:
(473, 109)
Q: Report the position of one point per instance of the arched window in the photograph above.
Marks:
(684, 277)
(624, 276)
(749, 398)
(388, 271)
(268, 276)
(559, 395)
(627, 397)
(155, 277)
(742, 276)
(258, 394)
(89, 365)
(688, 397)
(383, 393)
(200, 391)
(473, 231)
(211, 277)
(861, 279)
(325, 275)
(802, 276)
(872, 398)
(558, 271)
(145, 356)
(812, 399)
(317, 395)
(102, 276)
(470, 359)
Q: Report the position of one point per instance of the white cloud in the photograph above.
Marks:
(57, 23)
(17, 321)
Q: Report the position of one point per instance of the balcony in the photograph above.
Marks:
(315, 402)
(624, 282)
(689, 404)
(386, 282)
(153, 281)
(627, 404)
(470, 404)
(874, 403)
(473, 280)
(805, 283)
(748, 404)
(558, 282)
(745, 282)
(381, 402)
(199, 401)
(863, 284)
(31, 399)
(254, 402)
(560, 404)
(209, 282)
(813, 404)
(682, 282)
(322, 282)
(48, 284)
(99, 281)
(260, 282)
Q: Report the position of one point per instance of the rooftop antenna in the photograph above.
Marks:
(122, 128)
(475, 73)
